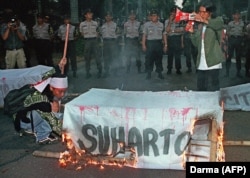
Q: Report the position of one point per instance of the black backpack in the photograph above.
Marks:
(14, 100)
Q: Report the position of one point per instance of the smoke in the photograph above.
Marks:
(180, 3)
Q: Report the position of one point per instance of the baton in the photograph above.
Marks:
(64, 60)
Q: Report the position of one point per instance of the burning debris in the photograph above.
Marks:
(79, 159)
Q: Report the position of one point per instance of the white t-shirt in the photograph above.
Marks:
(203, 63)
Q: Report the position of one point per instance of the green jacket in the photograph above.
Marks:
(213, 52)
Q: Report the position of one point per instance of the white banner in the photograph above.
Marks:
(236, 97)
(16, 78)
(157, 124)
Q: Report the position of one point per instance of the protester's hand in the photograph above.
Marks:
(144, 48)
(165, 48)
(62, 64)
(55, 106)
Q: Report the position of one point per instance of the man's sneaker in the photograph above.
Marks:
(23, 132)
(50, 139)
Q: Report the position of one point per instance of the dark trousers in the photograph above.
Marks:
(109, 53)
(190, 51)
(234, 44)
(154, 55)
(70, 55)
(247, 64)
(132, 50)
(91, 51)
(43, 50)
(204, 77)
(174, 51)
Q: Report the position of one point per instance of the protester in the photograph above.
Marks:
(13, 35)
(235, 38)
(131, 31)
(41, 115)
(175, 44)
(43, 34)
(152, 43)
(108, 31)
(210, 56)
(71, 46)
(89, 30)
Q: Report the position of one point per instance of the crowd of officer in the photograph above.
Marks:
(103, 41)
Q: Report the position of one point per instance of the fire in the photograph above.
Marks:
(220, 148)
(78, 159)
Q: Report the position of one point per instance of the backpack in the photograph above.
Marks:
(14, 100)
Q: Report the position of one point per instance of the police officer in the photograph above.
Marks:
(108, 31)
(174, 32)
(89, 31)
(131, 31)
(43, 34)
(152, 43)
(71, 47)
(235, 37)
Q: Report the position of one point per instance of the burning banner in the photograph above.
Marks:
(155, 130)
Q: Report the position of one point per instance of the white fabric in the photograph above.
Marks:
(139, 113)
(16, 78)
(40, 86)
(59, 82)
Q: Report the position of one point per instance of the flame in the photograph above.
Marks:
(78, 159)
(220, 149)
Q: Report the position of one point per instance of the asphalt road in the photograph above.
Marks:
(16, 159)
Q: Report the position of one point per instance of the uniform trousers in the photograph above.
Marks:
(154, 55)
(70, 55)
(234, 44)
(174, 51)
(43, 50)
(91, 51)
(109, 53)
(132, 50)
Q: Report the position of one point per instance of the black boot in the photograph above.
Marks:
(139, 70)
(88, 75)
(148, 76)
(160, 76)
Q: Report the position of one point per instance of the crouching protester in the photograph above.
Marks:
(40, 115)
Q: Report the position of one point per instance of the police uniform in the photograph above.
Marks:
(153, 32)
(108, 31)
(42, 34)
(131, 30)
(71, 46)
(235, 38)
(88, 29)
(174, 41)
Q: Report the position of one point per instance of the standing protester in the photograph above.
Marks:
(247, 64)
(108, 31)
(43, 34)
(152, 43)
(14, 36)
(89, 31)
(210, 55)
(131, 31)
(174, 32)
(71, 46)
(235, 38)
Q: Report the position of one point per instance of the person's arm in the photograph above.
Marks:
(6, 33)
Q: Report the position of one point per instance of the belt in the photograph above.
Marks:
(135, 38)
(235, 36)
(14, 49)
(109, 39)
(93, 38)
